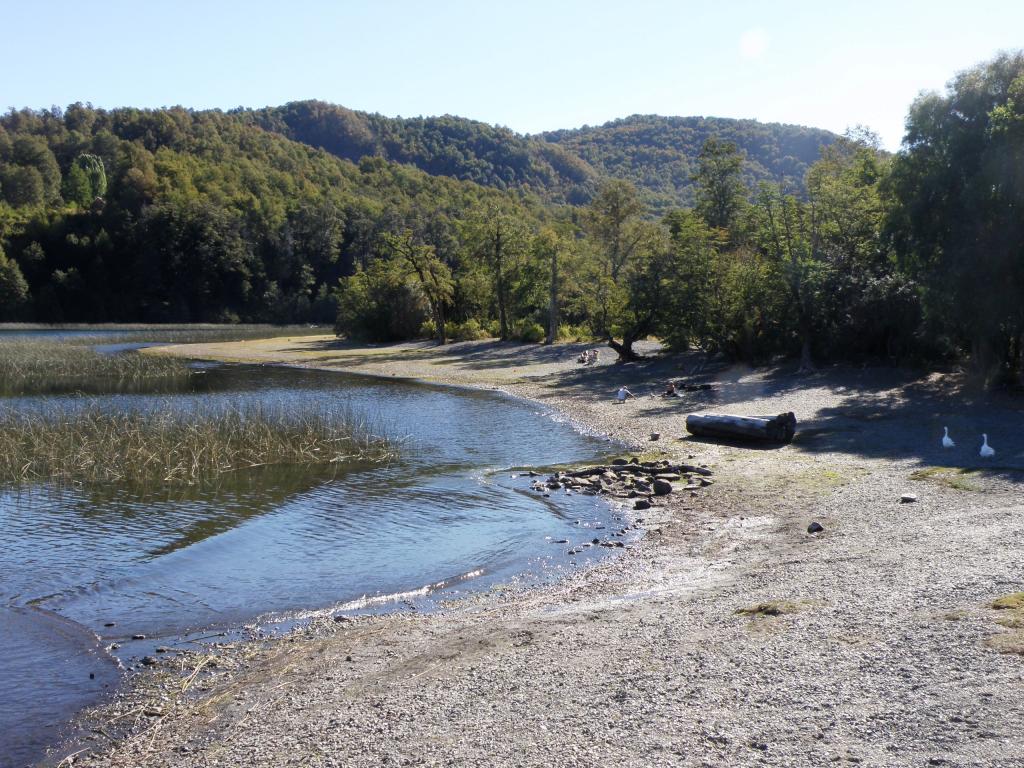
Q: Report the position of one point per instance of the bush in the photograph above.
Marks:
(529, 331)
(467, 331)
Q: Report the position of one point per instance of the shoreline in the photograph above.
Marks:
(649, 659)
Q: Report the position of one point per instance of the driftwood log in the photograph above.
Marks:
(772, 429)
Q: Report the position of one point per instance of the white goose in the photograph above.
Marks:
(987, 451)
(947, 441)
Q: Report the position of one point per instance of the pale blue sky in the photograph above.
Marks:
(529, 65)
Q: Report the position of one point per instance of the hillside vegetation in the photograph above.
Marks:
(730, 236)
(659, 154)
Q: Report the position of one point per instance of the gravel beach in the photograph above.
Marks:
(728, 635)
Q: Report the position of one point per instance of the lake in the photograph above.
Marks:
(83, 568)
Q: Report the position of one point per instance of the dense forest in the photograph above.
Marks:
(658, 154)
(728, 236)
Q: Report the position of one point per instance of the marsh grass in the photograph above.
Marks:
(29, 367)
(169, 446)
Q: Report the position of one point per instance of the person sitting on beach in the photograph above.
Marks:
(622, 394)
(670, 390)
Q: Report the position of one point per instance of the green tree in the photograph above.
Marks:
(14, 295)
(626, 270)
(500, 241)
(958, 192)
(719, 178)
(432, 275)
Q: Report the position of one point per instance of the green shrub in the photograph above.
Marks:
(529, 331)
(467, 331)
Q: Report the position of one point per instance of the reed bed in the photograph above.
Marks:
(92, 445)
(168, 333)
(30, 367)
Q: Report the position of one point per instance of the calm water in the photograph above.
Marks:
(271, 546)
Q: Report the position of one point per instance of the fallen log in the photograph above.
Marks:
(772, 429)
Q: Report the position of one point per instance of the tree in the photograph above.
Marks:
(719, 180)
(433, 275)
(626, 270)
(14, 293)
(958, 192)
(694, 296)
(500, 241)
(548, 247)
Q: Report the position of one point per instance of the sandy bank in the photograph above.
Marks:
(869, 643)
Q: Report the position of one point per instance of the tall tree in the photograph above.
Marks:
(500, 241)
(719, 179)
(958, 188)
(432, 274)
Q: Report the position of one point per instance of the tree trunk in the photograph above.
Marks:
(553, 301)
(806, 363)
(624, 350)
(439, 324)
(499, 282)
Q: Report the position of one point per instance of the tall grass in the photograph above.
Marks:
(49, 367)
(168, 333)
(95, 446)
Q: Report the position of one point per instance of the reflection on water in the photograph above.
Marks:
(113, 562)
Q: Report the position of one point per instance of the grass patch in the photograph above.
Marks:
(946, 476)
(1009, 602)
(50, 367)
(169, 446)
(1012, 620)
(770, 608)
(1007, 642)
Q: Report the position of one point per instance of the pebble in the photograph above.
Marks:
(908, 498)
(815, 527)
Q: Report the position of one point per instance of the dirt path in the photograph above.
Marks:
(873, 642)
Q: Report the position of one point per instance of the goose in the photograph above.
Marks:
(987, 451)
(947, 441)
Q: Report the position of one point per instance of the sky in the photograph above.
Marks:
(528, 65)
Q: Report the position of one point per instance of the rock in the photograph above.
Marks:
(705, 481)
(138, 637)
(149, 661)
(153, 712)
(655, 436)
(162, 649)
(339, 618)
(559, 541)
(662, 487)
(619, 462)
(641, 504)
(815, 527)
(908, 498)
(634, 460)
(670, 476)
(595, 541)
(348, 658)
(110, 624)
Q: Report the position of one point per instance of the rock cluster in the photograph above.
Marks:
(632, 479)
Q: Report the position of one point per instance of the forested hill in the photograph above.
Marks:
(172, 215)
(658, 153)
(441, 146)
(655, 153)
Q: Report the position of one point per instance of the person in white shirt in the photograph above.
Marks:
(622, 394)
